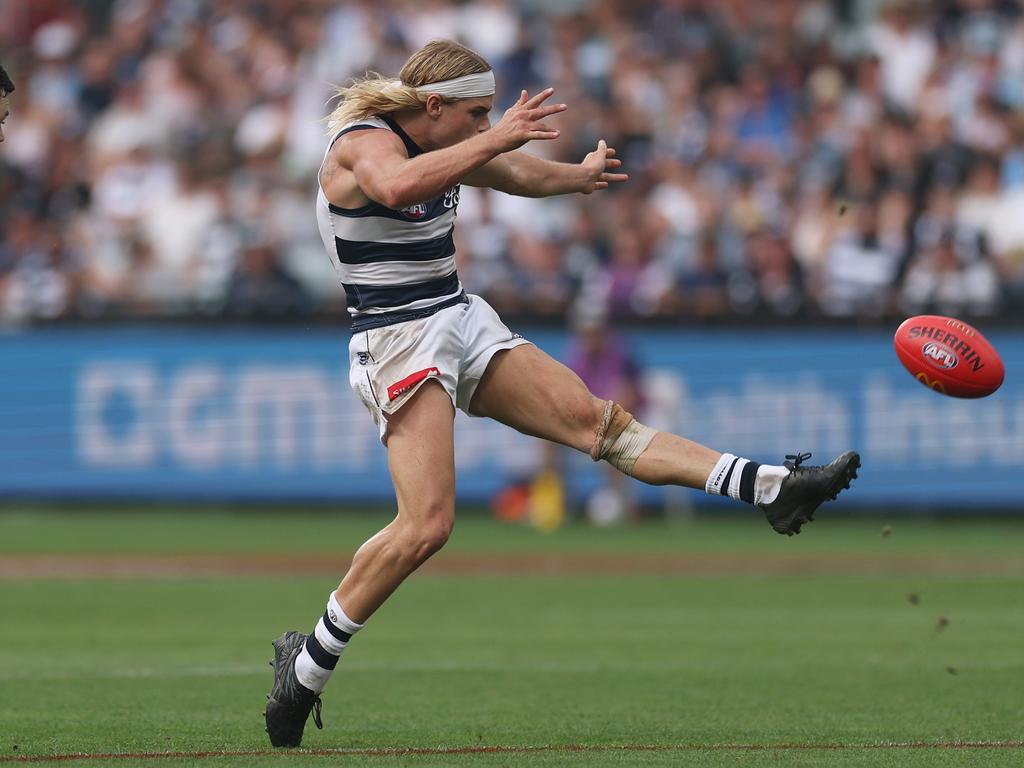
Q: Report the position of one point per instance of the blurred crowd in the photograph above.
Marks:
(788, 159)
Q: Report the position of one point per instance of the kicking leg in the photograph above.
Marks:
(530, 391)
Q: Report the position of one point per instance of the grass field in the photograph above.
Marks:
(143, 639)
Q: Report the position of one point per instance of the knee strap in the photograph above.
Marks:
(620, 439)
(613, 422)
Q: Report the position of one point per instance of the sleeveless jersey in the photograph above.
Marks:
(394, 265)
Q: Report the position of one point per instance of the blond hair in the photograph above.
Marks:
(376, 94)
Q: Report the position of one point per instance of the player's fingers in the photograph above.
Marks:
(541, 112)
(612, 163)
(602, 146)
(614, 177)
(546, 134)
(543, 127)
(539, 99)
(601, 185)
(523, 96)
(610, 152)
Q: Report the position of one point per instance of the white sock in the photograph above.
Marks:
(716, 480)
(733, 476)
(768, 482)
(324, 646)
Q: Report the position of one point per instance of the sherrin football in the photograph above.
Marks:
(949, 356)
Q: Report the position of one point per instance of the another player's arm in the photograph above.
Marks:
(519, 173)
(387, 175)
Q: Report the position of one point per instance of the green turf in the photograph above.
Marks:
(197, 529)
(812, 758)
(677, 663)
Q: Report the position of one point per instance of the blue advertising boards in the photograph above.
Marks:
(267, 413)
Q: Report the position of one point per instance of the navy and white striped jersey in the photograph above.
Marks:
(394, 265)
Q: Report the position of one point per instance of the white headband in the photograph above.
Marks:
(465, 87)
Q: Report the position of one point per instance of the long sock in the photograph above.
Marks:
(324, 646)
(733, 476)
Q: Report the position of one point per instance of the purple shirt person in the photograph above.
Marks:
(603, 360)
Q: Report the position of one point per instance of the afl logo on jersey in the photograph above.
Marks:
(417, 211)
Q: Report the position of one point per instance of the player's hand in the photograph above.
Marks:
(598, 164)
(524, 121)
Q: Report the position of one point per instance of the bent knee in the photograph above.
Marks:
(435, 534)
(426, 536)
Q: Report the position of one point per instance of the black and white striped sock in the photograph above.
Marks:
(324, 646)
(733, 476)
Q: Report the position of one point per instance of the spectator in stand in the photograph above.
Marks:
(6, 89)
(950, 277)
(860, 266)
(777, 278)
(262, 288)
(703, 286)
(906, 50)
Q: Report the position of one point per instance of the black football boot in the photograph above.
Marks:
(289, 702)
(805, 488)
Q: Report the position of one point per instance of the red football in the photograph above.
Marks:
(949, 356)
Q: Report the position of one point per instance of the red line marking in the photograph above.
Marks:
(507, 749)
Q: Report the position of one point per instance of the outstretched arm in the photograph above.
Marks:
(519, 173)
(387, 175)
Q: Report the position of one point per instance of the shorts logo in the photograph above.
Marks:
(939, 355)
(363, 357)
(410, 381)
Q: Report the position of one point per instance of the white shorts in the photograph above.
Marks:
(387, 365)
